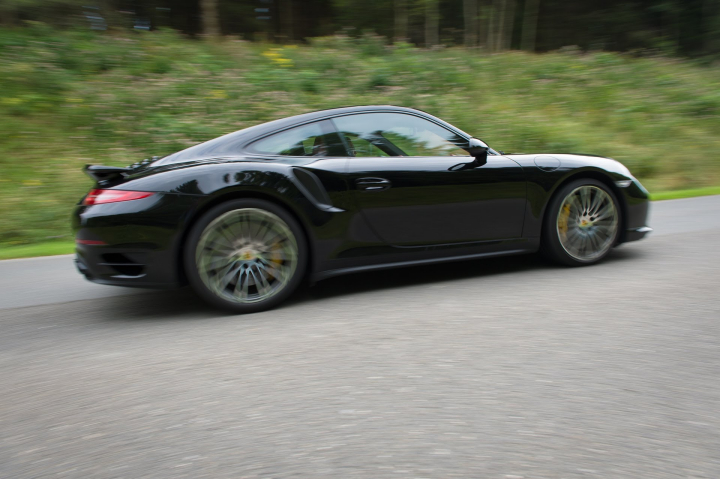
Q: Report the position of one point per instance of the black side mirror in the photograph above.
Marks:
(478, 150)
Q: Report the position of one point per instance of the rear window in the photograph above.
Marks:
(226, 145)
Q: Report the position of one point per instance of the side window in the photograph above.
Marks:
(397, 134)
(314, 139)
(361, 147)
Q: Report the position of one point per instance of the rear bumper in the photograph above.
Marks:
(134, 243)
(122, 267)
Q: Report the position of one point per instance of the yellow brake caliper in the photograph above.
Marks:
(275, 255)
(563, 219)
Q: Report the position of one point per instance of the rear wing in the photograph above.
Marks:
(104, 173)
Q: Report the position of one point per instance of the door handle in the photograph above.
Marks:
(372, 184)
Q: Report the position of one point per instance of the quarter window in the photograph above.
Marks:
(396, 134)
(315, 139)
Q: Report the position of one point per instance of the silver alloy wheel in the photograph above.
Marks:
(587, 223)
(246, 255)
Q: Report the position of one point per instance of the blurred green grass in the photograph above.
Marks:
(73, 97)
(37, 249)
(680, 194)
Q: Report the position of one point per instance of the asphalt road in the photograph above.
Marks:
(504, 368)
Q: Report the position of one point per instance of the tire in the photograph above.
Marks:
(246, 255)
(582, 223)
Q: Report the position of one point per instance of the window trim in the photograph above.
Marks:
(438, 122)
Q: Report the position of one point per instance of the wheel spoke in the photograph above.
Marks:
(272, 269)
(585, 199)
(230, 274)
(242, 286)
(594, 241)
(602, 232)
(261, 281)
(576, 204)
(225, 234)
(214, 262)
(607, 211)
(219, 243)
(596, 203)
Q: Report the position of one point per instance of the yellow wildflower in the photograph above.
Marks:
(218, 95)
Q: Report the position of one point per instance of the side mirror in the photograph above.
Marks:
(478, 150)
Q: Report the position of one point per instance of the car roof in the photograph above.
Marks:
(203, 150)
(317, 115)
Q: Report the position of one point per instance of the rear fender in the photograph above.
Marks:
(225, 182)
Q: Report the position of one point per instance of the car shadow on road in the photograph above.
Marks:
(438, 273)
(418, 275)
(185, 304)
(160, 305)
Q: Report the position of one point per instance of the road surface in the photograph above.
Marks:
(504, 368)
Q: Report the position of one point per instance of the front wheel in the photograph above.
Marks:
(246, 255)
(582, 223)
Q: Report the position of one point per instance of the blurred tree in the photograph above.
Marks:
(505, 24)
(483, 23)
(358, 16)
(470, 17)
(13, 12)
(490, 17)
(529, 26)
(401, 21)
(711, 26)
(210, 18)
(285, 10)
(432, 23)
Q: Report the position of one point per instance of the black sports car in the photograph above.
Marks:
(244, 218)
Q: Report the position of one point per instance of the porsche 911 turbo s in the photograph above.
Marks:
(246, 217)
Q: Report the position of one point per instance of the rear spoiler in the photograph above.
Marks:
(103, 173)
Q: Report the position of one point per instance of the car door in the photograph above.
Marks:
(412, 182)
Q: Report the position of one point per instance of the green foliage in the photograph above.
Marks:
(75, 97)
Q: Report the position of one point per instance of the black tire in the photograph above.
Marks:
(556, 242)
(230, 235)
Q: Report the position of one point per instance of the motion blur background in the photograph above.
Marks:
(114, 82)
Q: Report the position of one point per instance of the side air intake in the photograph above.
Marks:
(312, 186)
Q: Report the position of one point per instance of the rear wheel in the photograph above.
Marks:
(246, 255)
(582, 223)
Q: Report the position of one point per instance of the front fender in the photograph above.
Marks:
(544, 182)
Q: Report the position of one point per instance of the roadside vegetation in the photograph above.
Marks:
(68, 98)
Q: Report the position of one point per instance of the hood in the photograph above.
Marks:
(569, 161)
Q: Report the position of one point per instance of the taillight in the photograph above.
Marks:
(98, 196)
